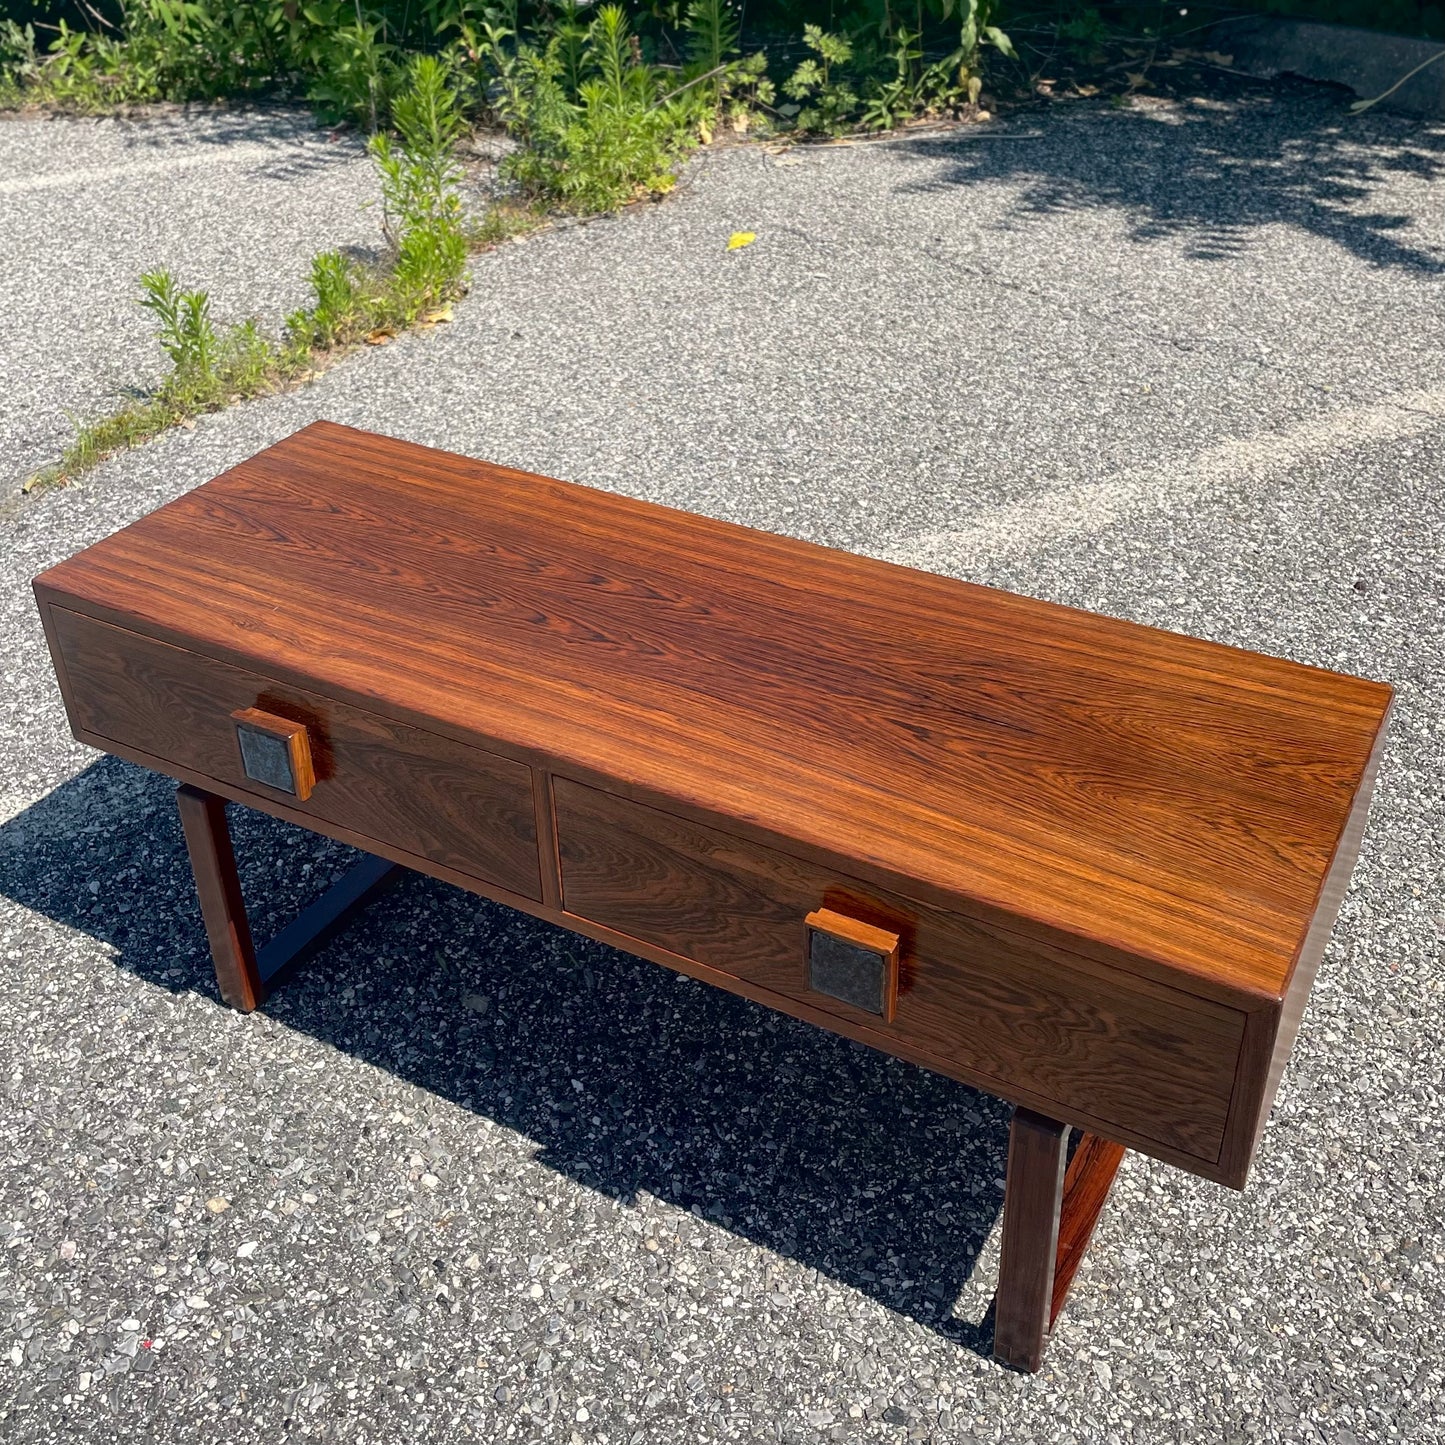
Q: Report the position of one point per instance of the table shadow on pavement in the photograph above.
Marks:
(1214, 173)
(881, 1175)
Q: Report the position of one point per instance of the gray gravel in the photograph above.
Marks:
(234, 203)
(481, 1180)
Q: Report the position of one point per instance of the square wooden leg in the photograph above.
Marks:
(1049, 1215)
(213, 862)
(244, 974)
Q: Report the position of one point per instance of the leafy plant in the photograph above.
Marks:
(976, 29)
(747, 91)
(482, 40)
(421, 208)
(19, 59)
(529, 64)
(340, 308)
(712, 33)
(1085, 31)
(208, 367)
(184, 317)
(572, 32)
(428, 236)
(712, 41)
(829, 102)
(353, 68)
(419, 173)
(596, 147)
(718, 80)
(248, 363)
(85, 72)
(601, 116)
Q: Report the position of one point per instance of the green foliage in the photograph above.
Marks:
(712, 33)
(350, 63)
(422, 220)
(184, 318)
(828, 102)
(350, 59)
(19, 58)
(719, 80)
(421, 208)
(896, 99)
(977, 29)
(747, 91)
(594, 134)
(81, 71)
(1084, 29)
(428, 237)
(340, 309)
(571, 31)
(712, 41)
(419, 174)
(208, 368)
(427, 270)
(601, 116)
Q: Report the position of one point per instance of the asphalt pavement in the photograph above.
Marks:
(470, 1178)
(231, 202)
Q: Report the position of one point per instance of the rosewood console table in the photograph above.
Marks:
(1087, 866)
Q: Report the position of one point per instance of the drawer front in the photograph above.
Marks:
(981, 1003)
(438, 799)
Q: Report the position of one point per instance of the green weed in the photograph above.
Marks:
(602, 116)
(827, 102)
(596, 132)
(712, 41)
(340, 308)
(428, 237)
(19, 61)
(184, 319)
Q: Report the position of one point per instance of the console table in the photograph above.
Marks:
(1085, 865)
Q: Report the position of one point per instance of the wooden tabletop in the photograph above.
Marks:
(1162, 803)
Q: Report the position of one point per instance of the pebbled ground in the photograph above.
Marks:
(468, 1178)
(233, 202)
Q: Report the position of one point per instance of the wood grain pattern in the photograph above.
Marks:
(798, 1008)
(981, 1004)
(1037, 1149)
(1161, 804)
(1312, 946)
(853, 930)
(429, 795)
(1121, 847)
(1087, 1182)
(1270, 1033)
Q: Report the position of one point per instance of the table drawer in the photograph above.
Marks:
(438, 799)
(983, 1004)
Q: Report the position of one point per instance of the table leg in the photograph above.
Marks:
(208, 841)
(1048, 1218)
(244, 974)
(1086, 1187)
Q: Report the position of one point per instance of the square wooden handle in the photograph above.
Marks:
(852, 961)
(275, 751)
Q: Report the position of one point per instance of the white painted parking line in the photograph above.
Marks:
(1077, 511)
(231, 154)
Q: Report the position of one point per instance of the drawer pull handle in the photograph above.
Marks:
(275, 751)
(853, 962)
